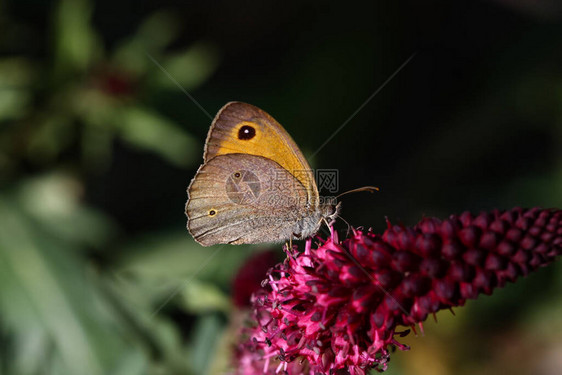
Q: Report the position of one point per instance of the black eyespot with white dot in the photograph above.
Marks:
(246, 132)
(237, 175)
(212, 212)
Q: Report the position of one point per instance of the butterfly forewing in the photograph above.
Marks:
(243, 128)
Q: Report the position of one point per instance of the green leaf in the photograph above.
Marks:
(200, 297)
(189, 68)
(53, 202)
(204, 342)
(174, 257)
(158, 30)
(155, 33)
(13, 103)
(16, 72)
(77, 45)
(16, 75)
(42, 291)
(148, 130)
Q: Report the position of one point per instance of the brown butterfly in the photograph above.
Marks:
(254, 185)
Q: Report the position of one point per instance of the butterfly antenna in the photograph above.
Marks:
(370, 189)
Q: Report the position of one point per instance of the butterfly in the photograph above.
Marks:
(254, 184)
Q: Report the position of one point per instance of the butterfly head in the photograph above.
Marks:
(330, 211)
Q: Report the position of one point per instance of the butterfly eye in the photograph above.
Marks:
(212, 212)
(246, 132)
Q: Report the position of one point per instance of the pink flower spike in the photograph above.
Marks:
(336, 308)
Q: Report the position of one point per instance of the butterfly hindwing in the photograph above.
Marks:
(239, 198)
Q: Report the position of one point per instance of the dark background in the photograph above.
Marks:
(98, 144)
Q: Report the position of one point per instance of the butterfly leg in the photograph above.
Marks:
(327, 224)
(296, 235)
(289, 245)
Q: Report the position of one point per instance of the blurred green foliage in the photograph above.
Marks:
(98, 143)
(64, 303)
